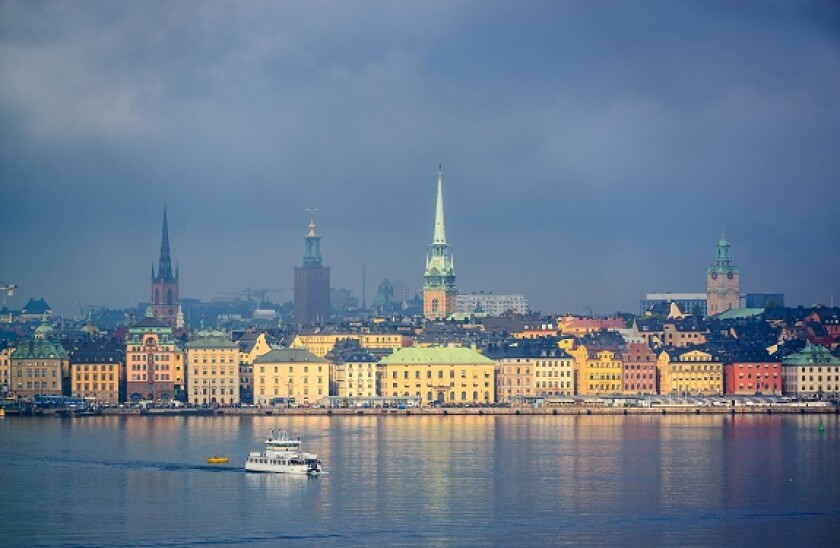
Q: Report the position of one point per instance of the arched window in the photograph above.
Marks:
(157, 296)
(169, 296)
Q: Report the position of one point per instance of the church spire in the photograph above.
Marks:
(165, 264)
(440, 228)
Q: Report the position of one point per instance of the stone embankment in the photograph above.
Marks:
(575, 410)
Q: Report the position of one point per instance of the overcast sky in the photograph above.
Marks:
(592, 151)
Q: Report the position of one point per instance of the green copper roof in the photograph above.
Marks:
(812, 354)
(212, 342)
(39, 349)
(436, 355)
(289, 355)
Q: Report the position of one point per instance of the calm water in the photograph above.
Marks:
(117, 481)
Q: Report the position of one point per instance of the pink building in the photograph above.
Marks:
(639, 369)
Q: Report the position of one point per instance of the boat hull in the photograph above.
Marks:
(294, 469)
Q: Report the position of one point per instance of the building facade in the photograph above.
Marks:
(723, 282)
(39, 367)
(638, 363)
(154, 363)
(447, 375)
(689, 373)
(490, 304)
(164, 298)
(752, 373)
(97, 373)
(312, 283)
(212, 370)
(322, 343)
(811, 373)
(251, 346)
(291, 373)
(439, 291)
(529, 370)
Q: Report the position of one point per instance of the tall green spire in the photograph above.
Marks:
(439, 263)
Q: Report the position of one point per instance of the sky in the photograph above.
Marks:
(592, 151)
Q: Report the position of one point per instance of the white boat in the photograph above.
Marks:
(283, 455)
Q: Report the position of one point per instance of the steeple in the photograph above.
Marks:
(165, 264)
(723, 259)
(440, 228)
(312, 246)
(439, 279)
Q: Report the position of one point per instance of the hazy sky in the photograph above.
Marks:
(592, 151)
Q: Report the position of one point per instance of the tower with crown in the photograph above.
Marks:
(439, 291)
(165, 300)
(312, 283)
(723, 282)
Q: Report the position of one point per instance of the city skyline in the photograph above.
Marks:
(592, 153)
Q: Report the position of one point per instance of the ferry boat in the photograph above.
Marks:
(283, 455)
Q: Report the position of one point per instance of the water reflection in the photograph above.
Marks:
(424, 480)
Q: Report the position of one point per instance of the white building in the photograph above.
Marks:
(491, 304)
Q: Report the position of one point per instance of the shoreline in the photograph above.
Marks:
(454, 411)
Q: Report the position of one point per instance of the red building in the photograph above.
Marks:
(638, 366)
(752, 373)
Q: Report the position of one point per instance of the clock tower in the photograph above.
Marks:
(723, 282)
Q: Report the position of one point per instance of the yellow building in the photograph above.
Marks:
(96, 373)
(251, 346)
(599, 371)
(212, 370)
(322, 344)
(291, 373)
(689, 372)
(39, 367)
(355, 379)
(442, 374)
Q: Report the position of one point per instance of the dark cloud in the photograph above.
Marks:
(592, 151)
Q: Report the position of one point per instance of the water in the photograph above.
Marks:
(430, 481)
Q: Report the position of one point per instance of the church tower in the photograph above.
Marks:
(165, 300)
(312, 283)
(439, 280)
(723, 282)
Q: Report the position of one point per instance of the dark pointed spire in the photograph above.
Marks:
(165, 264)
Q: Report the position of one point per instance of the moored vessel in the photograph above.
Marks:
(283, 455)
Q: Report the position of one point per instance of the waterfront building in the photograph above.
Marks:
(322, 343)
(689, 373)
(448, 375)
(312, 283)
(723, 281)
(355, 371)
(97, 372)
(599, 371)
(526, 370)
(5, 369)
(490, 304)
(439, 291)
(212, 369)
(39, 366)
(638, 364)
(291, 373)
(695, 304)
(752, 371)
(812, 373)
(252, 345)
(165, 299)
(154, 363)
